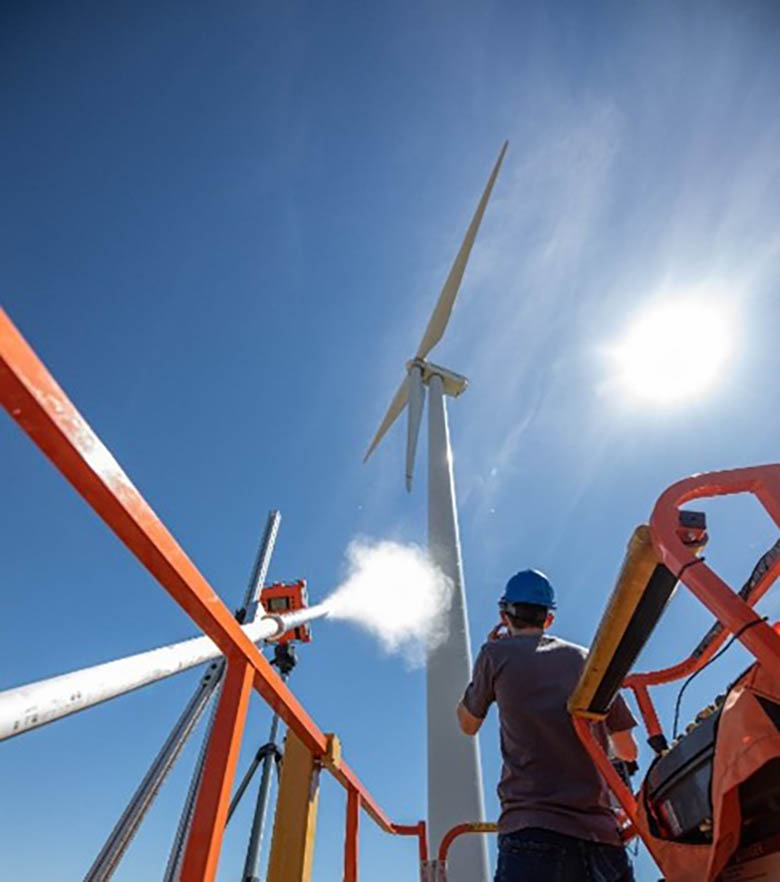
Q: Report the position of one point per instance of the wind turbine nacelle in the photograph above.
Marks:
(454, 384)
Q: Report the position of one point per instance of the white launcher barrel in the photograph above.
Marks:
(27, 707)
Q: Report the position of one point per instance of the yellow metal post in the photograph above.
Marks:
(635, 574)
(292, 846)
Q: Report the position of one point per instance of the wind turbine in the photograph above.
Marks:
(454, 771)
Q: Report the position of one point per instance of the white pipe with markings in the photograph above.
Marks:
(23, 708)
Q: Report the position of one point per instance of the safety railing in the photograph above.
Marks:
(437, 870)
(733, 610)
(44, 412)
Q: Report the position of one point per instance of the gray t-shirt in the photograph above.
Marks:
(548, 779)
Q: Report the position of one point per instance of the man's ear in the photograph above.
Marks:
(549, 620)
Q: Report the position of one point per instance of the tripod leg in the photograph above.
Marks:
(119, 839)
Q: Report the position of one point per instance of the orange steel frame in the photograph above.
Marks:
(726, 605)
(41, 408)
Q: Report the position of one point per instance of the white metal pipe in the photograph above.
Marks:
(291, 620)
(35, 704)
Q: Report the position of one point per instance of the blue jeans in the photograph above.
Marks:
(537, 855)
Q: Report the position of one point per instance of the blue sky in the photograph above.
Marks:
(223, 229)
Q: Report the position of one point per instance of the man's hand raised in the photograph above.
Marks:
(498, 633)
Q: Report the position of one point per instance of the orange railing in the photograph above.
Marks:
(459, 830)
(41, 408)
(735, 613)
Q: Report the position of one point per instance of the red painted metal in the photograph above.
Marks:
(44, 412)
(422, 834)
(647, 709)
(351, 836)
(730, 609)
(420, 830)
(211, 809)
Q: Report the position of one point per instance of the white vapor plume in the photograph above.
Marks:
(395, 593)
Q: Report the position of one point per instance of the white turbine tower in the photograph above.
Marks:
(454, 772)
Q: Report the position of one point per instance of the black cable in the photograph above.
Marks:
(690, 563)
(717, 655)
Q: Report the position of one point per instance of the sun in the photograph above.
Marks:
(675, 351)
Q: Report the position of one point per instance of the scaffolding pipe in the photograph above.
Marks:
(178, 846)
(27, 707)
(120, 837)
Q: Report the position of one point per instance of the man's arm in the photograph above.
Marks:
(478, 696)
(620, 721)
(469, 724)
(624, 745)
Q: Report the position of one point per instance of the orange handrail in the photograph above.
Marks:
(44, 412)
(459, 830)
(420, 830)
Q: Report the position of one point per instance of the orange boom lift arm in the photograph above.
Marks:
(658, 557)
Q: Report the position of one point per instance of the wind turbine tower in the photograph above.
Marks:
(454, 771)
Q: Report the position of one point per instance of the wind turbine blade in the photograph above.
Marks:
(396, 406)
(441, 314)
(416, 400)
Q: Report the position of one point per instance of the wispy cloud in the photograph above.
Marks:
(524, 287)
(584, 230)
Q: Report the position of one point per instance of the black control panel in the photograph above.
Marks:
(678, 783)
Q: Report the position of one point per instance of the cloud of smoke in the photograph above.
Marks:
(394, 592)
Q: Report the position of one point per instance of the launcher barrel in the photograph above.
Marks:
(26, 707)
(291, 620)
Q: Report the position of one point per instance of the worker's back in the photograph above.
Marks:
(548, 780)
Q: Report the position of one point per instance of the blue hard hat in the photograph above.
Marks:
(529, 586)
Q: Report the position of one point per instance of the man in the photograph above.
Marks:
(556, 822)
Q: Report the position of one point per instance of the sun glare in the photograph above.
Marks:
(675, 351)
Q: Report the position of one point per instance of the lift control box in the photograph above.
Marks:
(281, 598)
(692, 528)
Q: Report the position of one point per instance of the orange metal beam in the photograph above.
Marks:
(351, 844)
(647, 709)
(211, 809)
(691, 664)
(44, 412)
(730, 609)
